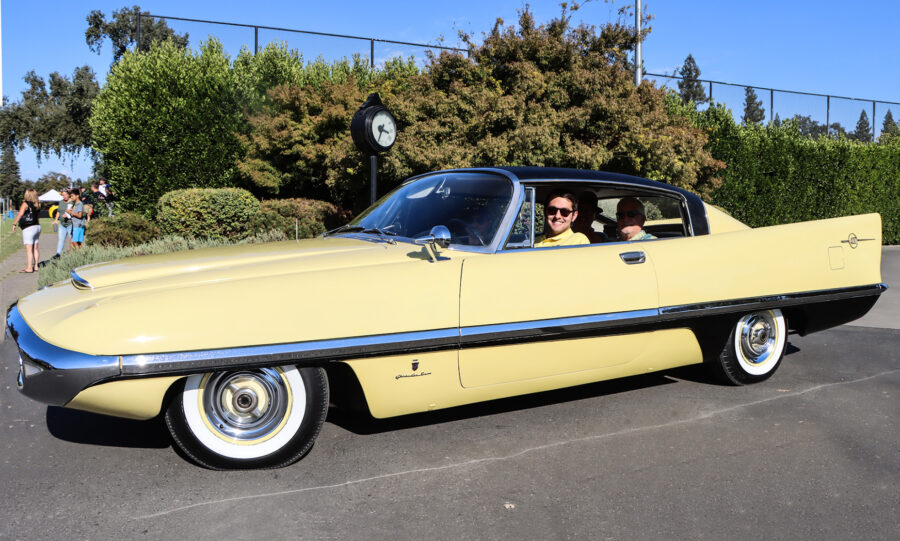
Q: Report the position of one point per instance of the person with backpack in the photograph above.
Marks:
(28, 220)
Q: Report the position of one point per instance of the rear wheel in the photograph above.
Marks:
(754, 349)
(255, 418)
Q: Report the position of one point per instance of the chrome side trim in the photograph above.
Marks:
(315, 350)
(544, 328)
(80, 282)
(668, 313)
(55, 375)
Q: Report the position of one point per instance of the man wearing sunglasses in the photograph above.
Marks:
(630, 220)
(560, 210)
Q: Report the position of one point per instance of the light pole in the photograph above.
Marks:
(638, 75)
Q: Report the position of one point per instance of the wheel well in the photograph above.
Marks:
(346, 391)
(170, 394)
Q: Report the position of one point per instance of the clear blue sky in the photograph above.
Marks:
(826, 46)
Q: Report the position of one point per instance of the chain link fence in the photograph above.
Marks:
(394, 48)
(817, 113)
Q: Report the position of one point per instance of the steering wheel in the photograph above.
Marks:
(465, 228)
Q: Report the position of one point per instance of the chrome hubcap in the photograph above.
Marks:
(758, 337)
(246, 405)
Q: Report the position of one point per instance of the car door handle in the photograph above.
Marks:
(633, 258)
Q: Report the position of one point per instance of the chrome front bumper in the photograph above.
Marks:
(49, 373)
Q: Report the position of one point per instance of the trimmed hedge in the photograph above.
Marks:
(775, 175)
(224, 213)
(127, 229)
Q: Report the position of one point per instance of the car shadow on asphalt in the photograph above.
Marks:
(362, 422)
(95, 429)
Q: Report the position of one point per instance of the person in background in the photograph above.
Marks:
(28, 220)
(630, 220)
(587, 213)
(78, 220)
(64, 220)
(93, 200)
(107, 196)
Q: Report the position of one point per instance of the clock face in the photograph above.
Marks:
(384, 129)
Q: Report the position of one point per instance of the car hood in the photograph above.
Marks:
(261, 294)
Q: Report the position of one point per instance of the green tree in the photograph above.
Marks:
(807, 126)
(52, 181)
(863, 131)
(837, 131)
(54, 120)
(689, 88)
(545, 95)
(889, 129)
(122, 31)
(11, 185)
(167, 119)
(753, 109)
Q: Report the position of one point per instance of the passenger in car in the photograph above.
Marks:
(560, 210)
(587, 213)
(630, 220)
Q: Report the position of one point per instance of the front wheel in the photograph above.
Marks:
(754, 349)
(254, 418)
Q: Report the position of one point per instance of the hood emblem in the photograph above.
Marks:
(415, 365)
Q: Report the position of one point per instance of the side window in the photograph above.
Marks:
(522, 233)
(663, 216)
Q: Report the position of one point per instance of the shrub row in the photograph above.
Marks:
(228, 214)
(775, 175)
(126, 229)
(222, 213)
(298, 217)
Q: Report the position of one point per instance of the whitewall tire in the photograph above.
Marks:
(253, 418)
(754, 349)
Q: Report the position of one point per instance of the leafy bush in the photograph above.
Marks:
(126, 229)
(167, 118)
(299, 217)
(56, 270)
(207, 213)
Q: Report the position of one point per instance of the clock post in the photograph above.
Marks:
(374, 130)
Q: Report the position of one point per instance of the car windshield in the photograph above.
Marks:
(470, 204)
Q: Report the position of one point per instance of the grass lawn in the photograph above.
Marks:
(12, 242)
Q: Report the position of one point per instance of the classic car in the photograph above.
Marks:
(434, 297)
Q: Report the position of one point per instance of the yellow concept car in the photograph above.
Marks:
(436, 296)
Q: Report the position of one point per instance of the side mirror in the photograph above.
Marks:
(439, 236)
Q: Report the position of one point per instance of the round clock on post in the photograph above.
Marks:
(374, 130)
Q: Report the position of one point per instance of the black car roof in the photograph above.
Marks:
(562, 173)
(695, 205)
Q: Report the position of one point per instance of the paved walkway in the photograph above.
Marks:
(14, 285)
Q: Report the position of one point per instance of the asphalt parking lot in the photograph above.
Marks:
(810, 454)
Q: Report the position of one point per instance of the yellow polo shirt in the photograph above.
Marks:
(566, 238)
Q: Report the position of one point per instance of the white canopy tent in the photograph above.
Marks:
(51, 196)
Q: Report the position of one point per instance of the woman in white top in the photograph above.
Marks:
(28, 220)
